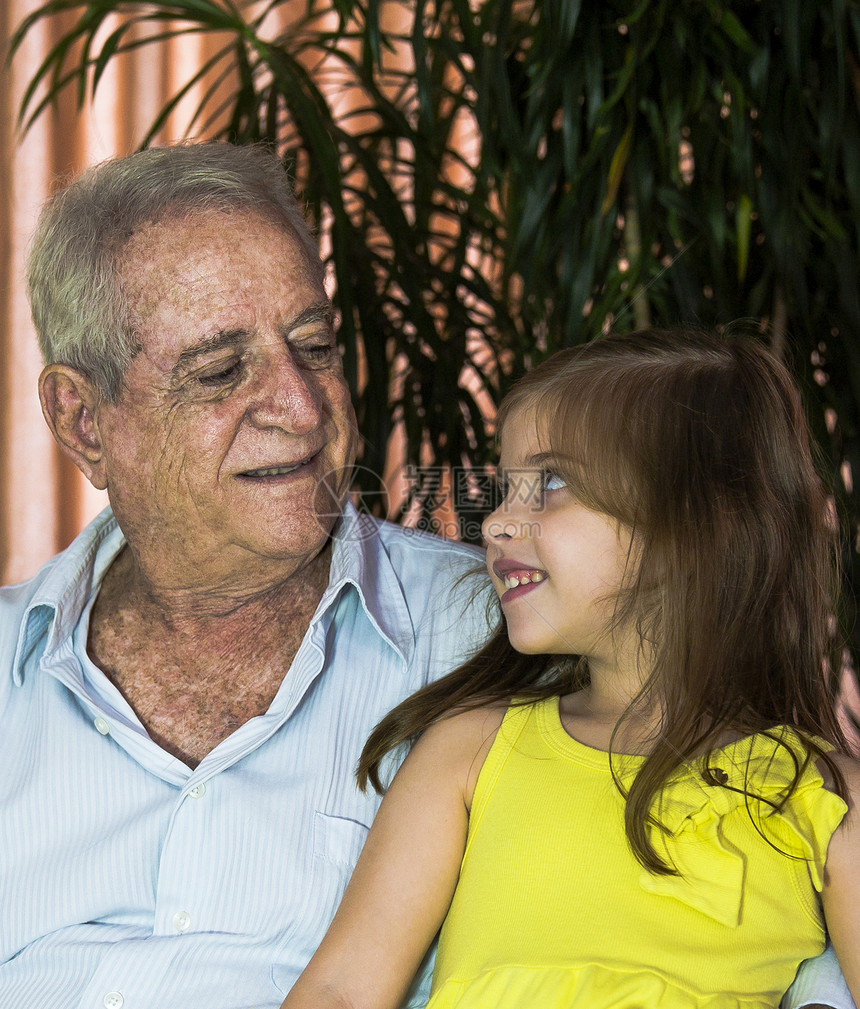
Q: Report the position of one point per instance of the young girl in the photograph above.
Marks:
(631, 796)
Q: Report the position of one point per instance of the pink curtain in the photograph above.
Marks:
(44, 501)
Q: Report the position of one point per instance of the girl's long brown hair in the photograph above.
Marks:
(699, 444)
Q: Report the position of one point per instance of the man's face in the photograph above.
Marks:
(236, 407)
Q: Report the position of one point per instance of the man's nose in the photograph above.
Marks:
(285, 395)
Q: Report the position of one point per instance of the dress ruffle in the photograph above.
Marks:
(752, 777)
(593, 986)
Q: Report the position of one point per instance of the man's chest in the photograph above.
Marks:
(189, 703)
(256, 844)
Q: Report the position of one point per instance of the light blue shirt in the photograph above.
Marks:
(819, 982)
(129, 881)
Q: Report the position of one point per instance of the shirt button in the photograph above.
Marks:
(104, 729)
(197, 791)
(113, 1000)
(182, 921)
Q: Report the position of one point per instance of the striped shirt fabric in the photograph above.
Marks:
(819, 982)
(129, 881)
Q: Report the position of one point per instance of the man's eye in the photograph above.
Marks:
(315, 352)
(220, 376)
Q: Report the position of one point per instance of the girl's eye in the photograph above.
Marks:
(552, 481)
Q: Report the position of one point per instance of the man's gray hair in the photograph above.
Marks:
(72, 275)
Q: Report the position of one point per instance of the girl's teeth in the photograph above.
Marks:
(527, 578)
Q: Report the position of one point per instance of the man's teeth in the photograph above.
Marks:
(275, 470)
(523, 578)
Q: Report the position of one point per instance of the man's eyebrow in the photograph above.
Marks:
(321, 311)
(217, 341)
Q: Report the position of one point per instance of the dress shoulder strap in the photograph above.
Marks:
(518, 722)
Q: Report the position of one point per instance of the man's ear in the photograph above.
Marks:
(69, 403)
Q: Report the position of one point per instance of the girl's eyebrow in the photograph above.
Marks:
(531, 462)
(537, 460)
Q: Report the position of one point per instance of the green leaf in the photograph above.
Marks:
(617, 169)
(107, 51)
(736, 32)
(743, 226)
(569, 109)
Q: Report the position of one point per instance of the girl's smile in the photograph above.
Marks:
(518, 578)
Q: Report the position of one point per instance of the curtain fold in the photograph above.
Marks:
(44, 500)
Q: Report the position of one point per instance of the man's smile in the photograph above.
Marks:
(277, 470)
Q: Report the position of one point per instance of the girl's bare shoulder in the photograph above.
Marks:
(845, 842)
(850, 768)
(462, 741)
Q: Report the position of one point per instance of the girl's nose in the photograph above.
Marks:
(500, 525)
(514, 518)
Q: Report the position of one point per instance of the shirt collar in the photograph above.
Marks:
(358, 559)
(59, 600)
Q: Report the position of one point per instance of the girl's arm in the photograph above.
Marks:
(403, 882)
(841, 893)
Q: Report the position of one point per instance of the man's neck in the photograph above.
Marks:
(204, 610)
(195, 666)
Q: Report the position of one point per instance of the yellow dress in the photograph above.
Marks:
(552, 910)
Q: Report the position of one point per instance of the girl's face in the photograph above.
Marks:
(556, 565)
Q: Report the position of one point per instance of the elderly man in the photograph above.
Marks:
(186, 689)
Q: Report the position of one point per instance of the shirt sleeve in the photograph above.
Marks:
(819, 982)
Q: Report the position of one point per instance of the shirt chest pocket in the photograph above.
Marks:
(337, 843)
(338, 840)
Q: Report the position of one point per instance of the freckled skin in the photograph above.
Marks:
(174, 445)
(200, 617)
